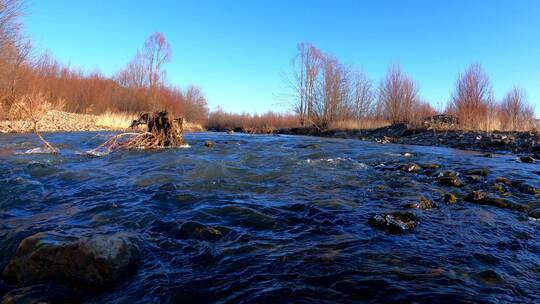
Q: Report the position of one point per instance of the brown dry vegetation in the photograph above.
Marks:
(140, 86)
(328, 94)
(253, 123)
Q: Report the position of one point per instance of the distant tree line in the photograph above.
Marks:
(327, 93)
(140, 86)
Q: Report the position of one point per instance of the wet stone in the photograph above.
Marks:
(481, 172)
(474, 178)
(430, 166)
(535, 213)
(499, 187)
(449, 178)
(527, 188)
(194, 230)
(395, 222)
(449, 198)
(412, 168)
(503, 180)
(89, 262)
(380, 187)
(489, 277)
(483, 198)
(421, 203)
(209, 144)
(527, 159)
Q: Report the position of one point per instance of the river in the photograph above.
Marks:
(289, 219)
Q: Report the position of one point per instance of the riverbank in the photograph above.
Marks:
(59, 121)
(525, 142)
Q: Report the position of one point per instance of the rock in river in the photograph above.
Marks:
(527, 159)
(450, 198)
(90, 262)
(481, 197)
(395, 222)
(421, 203)
(413, 168)
(449, 178)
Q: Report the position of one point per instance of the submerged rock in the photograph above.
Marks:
(526, 188)
(450, 198)
(395, 222)
(527, 159)
(413, 168)
(483, 198)
(535, 213)
(474, 178)
(90, 262)
(449, 178)
(421, 203)
(195, 230)
(500, 187)
(209, 144)
(481, 172)
(503, 180)
(430, 166)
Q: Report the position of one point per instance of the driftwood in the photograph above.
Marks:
(160, 133)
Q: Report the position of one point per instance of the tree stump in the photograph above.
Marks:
(160, 133)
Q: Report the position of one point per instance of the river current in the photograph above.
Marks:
(287, 215)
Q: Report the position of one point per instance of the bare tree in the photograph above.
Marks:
(515, 111)
(333, 94)
(472, 99)
(398, 95)
(157, 52)
(10, 25)
(306, 67)
(135, 75)
(362, 96)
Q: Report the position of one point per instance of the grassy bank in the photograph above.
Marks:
(60, 121)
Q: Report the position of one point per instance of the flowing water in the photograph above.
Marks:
(286, 219)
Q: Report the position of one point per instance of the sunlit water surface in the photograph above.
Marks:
(291, 219)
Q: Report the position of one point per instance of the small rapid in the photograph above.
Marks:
(272, 219)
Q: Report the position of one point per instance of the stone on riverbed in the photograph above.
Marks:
(449, 178)
(430, 166)
(481, 172)
(526, 188)
(89, 263)
(535, 213)
(483, 198)
(395, 222)
(421, 203)
(527, 159)
(450, 198)
(413, 168)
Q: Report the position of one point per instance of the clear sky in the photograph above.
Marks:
(239, 51)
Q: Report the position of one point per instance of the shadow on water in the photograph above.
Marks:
(280, 218)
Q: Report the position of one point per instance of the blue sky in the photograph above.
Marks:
(239, 51)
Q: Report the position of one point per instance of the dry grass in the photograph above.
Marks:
(359, 125)
(121, 121)
(115, 121)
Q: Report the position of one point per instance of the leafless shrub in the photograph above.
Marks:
(398, 96)
(515, 112)
(473, 99)
(32, 108)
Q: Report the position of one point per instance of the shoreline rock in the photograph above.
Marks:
(89, 263)
(497, 141)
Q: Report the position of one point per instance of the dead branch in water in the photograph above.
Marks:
(161, 133)
(31, 108)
